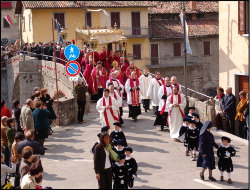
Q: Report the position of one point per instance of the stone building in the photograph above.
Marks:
(7, 31)
(234, 45)
(167, 45)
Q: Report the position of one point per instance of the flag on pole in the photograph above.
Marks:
(188, 47)
(8, 19)
(98, 10)
(58, 27)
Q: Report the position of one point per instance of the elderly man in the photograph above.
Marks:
(174, 83)
(117, 84)
(153, 89)
(229, 108)
(132, 68)
(133, 88)
(26, 117)
(80, 94)
(175, 104)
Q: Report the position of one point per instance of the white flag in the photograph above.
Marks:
(98, 10)
(188, 48)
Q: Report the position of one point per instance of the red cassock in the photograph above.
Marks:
(104, 55)
(87, 72)
(115, 58)
(96, 56)
(79, 60)
(128, 72)
(94, 82)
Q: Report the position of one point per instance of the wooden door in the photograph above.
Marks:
(154, 54)
(136, 23)
(244, 83)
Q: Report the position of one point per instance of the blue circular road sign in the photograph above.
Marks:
(72, 52)
(72, 68)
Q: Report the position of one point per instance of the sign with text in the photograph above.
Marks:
(72, 68)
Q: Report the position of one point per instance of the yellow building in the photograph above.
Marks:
(234, 45)
(132, 15)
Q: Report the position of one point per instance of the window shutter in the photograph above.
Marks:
(206, 46)
(89, 23)
(60, 18)
(242, 17)
(137, 51)
(177, 49)
(115, 18)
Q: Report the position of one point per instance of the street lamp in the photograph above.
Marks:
(123, 41)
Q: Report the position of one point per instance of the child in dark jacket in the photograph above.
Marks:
(192, 139)
(225, 152)
(131, 166)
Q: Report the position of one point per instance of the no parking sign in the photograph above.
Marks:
(72, 68)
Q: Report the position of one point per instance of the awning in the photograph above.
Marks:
(104, 36)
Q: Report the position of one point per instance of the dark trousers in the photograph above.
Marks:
(100, 93)
(155, 109)
(145, 103)
(230, 125)
(218, 122)
(7, 156)
(17, 176)
(242, 126)
(105, 181)
(81, 109)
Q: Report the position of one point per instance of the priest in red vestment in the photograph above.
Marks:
(104, 55)
(97, 81)
(132, 68)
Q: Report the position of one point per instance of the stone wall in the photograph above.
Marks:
(4, 86)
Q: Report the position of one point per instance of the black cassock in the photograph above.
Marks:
(132, 170)
(120, 176)
(116, 135)
(161, 119)
(225, 162)
(192, 138)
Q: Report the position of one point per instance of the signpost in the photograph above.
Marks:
(73, 69)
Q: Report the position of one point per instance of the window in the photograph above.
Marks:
(89, 20)
(115, 18)
(5, 23)
(136, 24)
(137, 51)
(206, 46)
(243, 14)
(177, 49)
(60, 18)
(154, 54)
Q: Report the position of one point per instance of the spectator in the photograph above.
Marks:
(4, 110)
(246, 115)
(17, 113)
(4, 140)
(41, 116)
(34, 91)
(58, 49)
(62, 57)
(80, 94)
(36, 146)
(10, 132)
(27, 156)
(28, 181)
(229, 109)
(240, 113)
(37, 98)
(19, 137)
(218, 108)
(6, 170)
(26, 118)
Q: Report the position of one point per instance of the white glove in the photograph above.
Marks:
(227, 154)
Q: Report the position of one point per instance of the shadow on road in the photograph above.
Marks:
(52, 177)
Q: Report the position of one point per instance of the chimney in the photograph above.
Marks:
(193, 5)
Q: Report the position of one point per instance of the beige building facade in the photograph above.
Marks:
(234, 45)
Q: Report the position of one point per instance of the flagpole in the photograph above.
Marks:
(185, 53)
(54, 57)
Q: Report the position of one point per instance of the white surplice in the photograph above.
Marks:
(175, 120)
(153, 91)
(145, 84)
(119, 99)
(128, 87)
(100, 108)
(160, 94)
(116, 83)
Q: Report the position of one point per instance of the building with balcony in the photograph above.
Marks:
(167, 44)
(234, 45)
(131, 15)
(9, 32)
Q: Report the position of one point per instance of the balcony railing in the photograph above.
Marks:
(136, 32)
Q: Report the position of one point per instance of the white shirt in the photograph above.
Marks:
(107, 161)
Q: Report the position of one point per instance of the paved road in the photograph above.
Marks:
(162, 164)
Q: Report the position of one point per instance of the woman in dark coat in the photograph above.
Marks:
(206, 153)
(17, 113)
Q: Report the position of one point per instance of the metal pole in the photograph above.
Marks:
(85, 14)
(185, 53)
(54, 57)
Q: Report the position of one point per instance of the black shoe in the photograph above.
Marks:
(162, 127)
(135, 119)
(211, 178)
(146, 110)
(202, 177)
(44, 148)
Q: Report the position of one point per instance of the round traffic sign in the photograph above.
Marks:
(72, 52)
(72, 68)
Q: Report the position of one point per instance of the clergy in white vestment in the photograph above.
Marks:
(145, 80)
(164, 92)
(117, 84)
(176, 104)
(114, 94)
(133, 88)
(174, 83)
(153, 89)
(108, 108)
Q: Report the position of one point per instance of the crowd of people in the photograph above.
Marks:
(23, 133)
